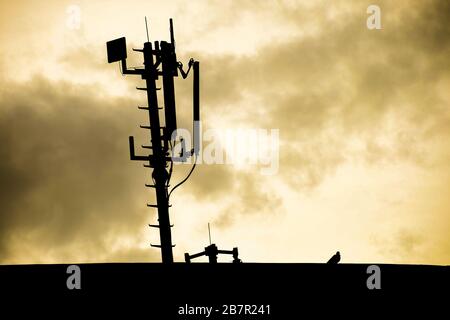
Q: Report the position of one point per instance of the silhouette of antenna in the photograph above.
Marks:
(146, 28)
(209, 232)
(212, 252)
(160, 60)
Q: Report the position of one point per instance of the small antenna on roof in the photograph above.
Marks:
(209, 232)
(146, 28)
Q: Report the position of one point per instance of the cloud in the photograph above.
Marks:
(345, 82)
(338, 92)
(249, 196)
(412, 245)
(404, 245)
(65, 173)
(211, 181)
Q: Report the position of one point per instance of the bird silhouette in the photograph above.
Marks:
(335, 258)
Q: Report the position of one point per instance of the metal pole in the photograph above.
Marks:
(159, 163)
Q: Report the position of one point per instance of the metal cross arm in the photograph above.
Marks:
(133, 155)
(125, 70)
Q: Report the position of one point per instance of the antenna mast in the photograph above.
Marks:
(159, 61)
(209, 232)
(146, 28)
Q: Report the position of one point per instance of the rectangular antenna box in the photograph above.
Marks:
(117, 50)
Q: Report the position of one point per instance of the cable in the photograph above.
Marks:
(171, 166)
(184, 180)
(120, 67)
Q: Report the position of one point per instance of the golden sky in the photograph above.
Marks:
(364, 120)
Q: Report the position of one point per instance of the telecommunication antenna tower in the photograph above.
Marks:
(160, 61)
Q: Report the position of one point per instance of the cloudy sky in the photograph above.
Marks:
(363, 118)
